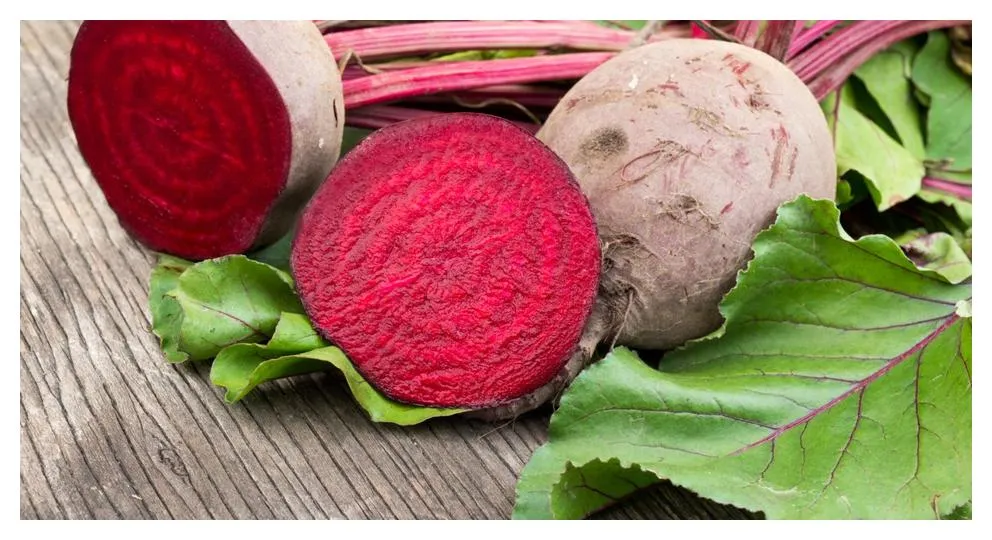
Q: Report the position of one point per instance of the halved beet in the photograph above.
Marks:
(206, 137)
(453, 258)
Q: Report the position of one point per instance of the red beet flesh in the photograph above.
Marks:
(453, 258)
(183, 130)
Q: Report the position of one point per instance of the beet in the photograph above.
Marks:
(685, 149)
(206, 137)
(453, 258)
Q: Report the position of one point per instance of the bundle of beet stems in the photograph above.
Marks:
(395, 71)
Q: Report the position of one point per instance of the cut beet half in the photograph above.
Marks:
(206, 137)
(453, 258)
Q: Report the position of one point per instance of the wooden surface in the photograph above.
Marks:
(110, 430)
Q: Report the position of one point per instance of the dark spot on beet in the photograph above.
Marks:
(453, 258)
(605, 142)
(756, 101)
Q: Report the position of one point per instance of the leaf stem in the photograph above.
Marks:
(746, 32)
(529, 96)
(777, 38)
(954, 189)
(452, 76)
(817, 58)
(805, 37)
(827, 64)
(449, 36)
(859, 385)
(714, 32)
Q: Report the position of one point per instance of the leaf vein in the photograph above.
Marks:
(917, 348)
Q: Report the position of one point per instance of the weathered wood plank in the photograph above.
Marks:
(110, 430)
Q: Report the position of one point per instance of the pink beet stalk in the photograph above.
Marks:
(527, 96)
(379, 116)
(413, 39)
(776, 38)
(847, 53)
(822, 62)
(454, 76)
(805, 37)
(961, 191)
(747, 32)
(827, 52)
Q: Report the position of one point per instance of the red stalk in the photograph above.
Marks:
(747, 32)
(954, 189)
(413, 39)
(452, 76)
(827, 52)
(527, 96)
(848, 54)
(364, 70)
(822, 62)
(776, 38)
(805, 37)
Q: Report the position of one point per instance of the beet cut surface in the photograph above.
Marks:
(182, 128)
(453, 258)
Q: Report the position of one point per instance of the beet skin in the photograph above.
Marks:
(453, 258)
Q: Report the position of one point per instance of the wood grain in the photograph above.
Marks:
(110, 430)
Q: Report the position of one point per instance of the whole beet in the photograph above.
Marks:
(685, 148)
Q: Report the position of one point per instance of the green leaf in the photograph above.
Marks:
(845, 193)
(625, 25)
(941, 253)
(852, 188)
(840, 388)
(241, 367)
(891, 172)
(166, 312)
(276, 254)
(296, 349)
(961, 512)
(230, 300)
(949, 118)
(247, 315)
(352, 136)
(963, 209)
(886, 76)
(940, 212)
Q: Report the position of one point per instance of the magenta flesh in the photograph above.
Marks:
(184, 131)
(453, 258)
